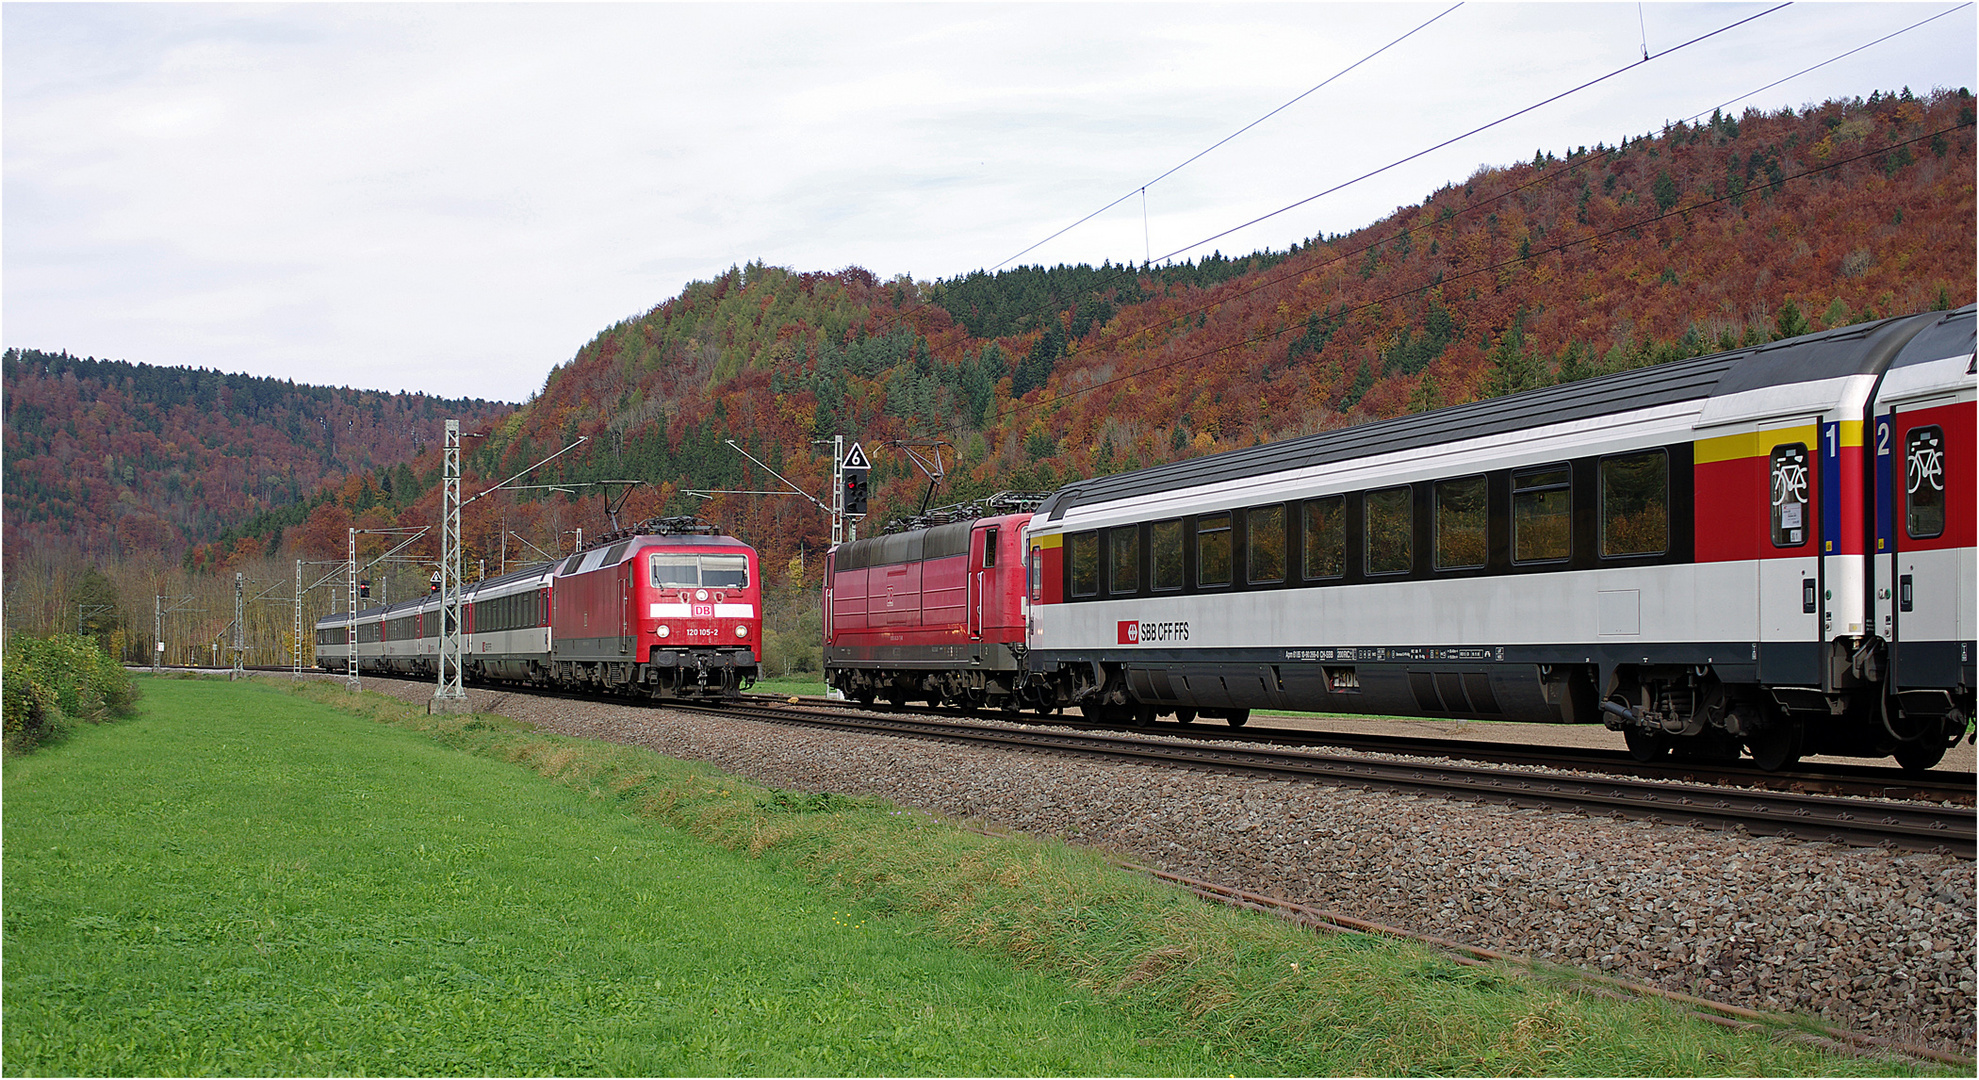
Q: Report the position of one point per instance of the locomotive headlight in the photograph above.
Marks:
(700, 594)
(741, 631)
(663, 630)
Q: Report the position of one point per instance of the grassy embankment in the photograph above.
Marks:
(247, 880)
(790, 687)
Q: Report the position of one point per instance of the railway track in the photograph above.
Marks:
(1835, 779)
(1919, 826)
(1840, 780)
(1910, 814)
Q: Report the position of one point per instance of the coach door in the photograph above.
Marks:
(1924, 570)
(1790, 555)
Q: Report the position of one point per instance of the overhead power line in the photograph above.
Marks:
(1542, 176)
(1127, 271)
(1142, 189)
(1453, 140)
(1841, 56)
(1678, 211)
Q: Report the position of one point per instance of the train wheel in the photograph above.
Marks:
(1144, 716)
(1185, 716)
(1645, 746)
(1777, 745)
(1238, 717)
(1926, 750)
(1919, 756)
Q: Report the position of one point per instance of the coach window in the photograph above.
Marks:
(1924, 483)
(1326, 537)
(1085, 564)
(1790, 495)
(989, 548)
(1391, 527)
(1213, 549)
(1166, 547)
(1125, 548)
(1635, 504)
(1460, 515)
(1264, 531)
(1542, 515)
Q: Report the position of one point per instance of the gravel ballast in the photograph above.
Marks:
(1877, 941)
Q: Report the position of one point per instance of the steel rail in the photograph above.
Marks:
(1864, 781)
(1838, 780)
(1794, 815)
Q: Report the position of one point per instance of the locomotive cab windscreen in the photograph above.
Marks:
(674, 571)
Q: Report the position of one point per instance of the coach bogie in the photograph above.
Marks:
(1692, 713)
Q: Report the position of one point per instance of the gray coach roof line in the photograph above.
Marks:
(1861, 349)
(1953, 334)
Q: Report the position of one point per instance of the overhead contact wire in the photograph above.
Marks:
(1453, 140)
(1405, 293)
(1446, 143)
(1542, 177)
(1142, 189)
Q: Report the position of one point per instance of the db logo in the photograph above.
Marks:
(703, 611)
(1130, 632)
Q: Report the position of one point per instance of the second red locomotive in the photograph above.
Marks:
(935, 613)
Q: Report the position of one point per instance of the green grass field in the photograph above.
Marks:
(249, 878)
(794, 687)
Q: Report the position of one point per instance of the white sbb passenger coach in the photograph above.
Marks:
(1768, 550)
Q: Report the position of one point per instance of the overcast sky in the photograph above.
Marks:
(454, 198)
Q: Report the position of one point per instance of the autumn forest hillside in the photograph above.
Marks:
(113, 458)
(1581, 261)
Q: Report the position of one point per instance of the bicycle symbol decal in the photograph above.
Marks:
(1925, 463)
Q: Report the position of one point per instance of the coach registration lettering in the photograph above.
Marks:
(1135, 632)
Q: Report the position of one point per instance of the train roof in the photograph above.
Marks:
(404, 607)
(591, 558)
(938, 533)
(527, 573)
(1953, 334)
(1862, 349)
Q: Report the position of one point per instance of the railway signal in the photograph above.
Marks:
(853, 469)
(855, 492)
